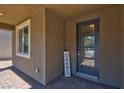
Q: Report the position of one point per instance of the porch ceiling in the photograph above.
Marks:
(13, 14)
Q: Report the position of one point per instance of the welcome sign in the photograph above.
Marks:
(67, 69)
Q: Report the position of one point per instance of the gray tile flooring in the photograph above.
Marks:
(10, 77)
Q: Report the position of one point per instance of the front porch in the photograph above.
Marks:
(40, 35)
(12, 78)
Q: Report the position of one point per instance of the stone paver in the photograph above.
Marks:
(12, 78)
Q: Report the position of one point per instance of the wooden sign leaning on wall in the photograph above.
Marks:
(67, 69)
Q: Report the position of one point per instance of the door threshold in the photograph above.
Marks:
(88, 77)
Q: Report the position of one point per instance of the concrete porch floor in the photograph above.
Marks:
(12, 78)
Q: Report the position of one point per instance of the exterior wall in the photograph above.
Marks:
(37, 59)
(110, 64)
(7, 26)
(47, 46)
(5, 44)
(122, 47)
(55, 44)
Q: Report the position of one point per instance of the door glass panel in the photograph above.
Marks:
(87, 43)
(89, 51)
(89, 46)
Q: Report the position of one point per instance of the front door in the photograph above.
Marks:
(88, 47)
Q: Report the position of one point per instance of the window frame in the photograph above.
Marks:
(18, 27)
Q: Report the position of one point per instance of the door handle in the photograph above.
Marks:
(78, 53)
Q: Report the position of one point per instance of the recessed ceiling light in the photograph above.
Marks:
(1, 14)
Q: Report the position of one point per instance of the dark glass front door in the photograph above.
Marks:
(88, 47)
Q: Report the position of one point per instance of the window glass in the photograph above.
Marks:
(25, 39)
(20, 39)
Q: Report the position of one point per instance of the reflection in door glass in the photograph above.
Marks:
(89, 46)
(87, 43)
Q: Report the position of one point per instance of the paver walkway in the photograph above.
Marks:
(12, 78)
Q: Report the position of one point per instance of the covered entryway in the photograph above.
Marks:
(41, 33)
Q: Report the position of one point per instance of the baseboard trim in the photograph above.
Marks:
(88, 77)
(4, 59)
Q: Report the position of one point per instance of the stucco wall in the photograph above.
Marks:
(122, 46)
(37, 59)
(47, 46)
(48, 43)
(5, 43)
(109, 43)
(55, 44)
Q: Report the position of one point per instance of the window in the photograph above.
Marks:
(23, 39)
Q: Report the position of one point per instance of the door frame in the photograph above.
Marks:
(97, 43)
